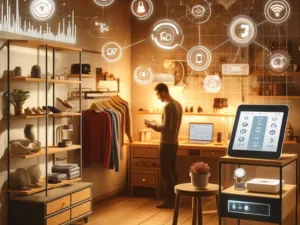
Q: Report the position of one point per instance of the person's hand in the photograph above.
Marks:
(147, 124)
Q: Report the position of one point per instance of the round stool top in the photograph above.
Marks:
(188, 189)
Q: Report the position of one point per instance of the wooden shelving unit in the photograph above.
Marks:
(56, 115)
(189, 114)
(51, 150)
(37, 190)
(43, 80)
(82, 76)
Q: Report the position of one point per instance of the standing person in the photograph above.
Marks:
(169, 129)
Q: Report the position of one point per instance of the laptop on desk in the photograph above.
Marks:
(201, 133)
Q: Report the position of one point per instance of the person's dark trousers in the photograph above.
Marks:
(168, 168)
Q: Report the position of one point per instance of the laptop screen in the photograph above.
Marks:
(201, 132)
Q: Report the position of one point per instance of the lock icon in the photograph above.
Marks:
(141, 8)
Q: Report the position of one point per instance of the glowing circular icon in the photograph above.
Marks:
(42, 9)
(277, 11)
(143, 75)
(199, 58)
(112, 52)
(99, 28)
(198, 13)
(279, 62)
(242, 31)
(167, 34)
(212, 84)
(142, 9)
(104, 2)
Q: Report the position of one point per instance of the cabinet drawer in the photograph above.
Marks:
(81, 195)
(57, 205)
(145, 163)
(145, 179)
(60, 218)
(213, 154)
(81, 210)
(145, 152)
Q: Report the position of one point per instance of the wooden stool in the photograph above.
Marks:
(197, 194)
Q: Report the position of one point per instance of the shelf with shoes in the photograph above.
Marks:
(29, 147)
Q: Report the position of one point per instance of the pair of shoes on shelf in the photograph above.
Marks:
(64, 106)
(18, 149)
(35, 111)
(51, 109)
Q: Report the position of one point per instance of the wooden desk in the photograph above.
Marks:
(144, 170)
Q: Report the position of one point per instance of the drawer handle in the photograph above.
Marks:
(143, 179)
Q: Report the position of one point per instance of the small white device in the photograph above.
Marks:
(259, 185)
(201, 133)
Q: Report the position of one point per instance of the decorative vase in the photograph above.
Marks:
(18, 111)
(199, 180)
(34, 173)
(36, 72)
(18, 71)
(28, 132)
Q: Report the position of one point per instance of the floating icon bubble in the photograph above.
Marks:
(242, 31)
(279, 62)
(42, 9)
(167, 34)
(99, 28)
(142, 9)
(212, 84)
(198, 13)
(104, 2)
(143, 75)
(112, 52)
(277, 11)
(199, 58)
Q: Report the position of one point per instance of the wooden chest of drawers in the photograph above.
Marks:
(144, 168)
(64, 205)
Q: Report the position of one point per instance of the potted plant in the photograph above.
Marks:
(199, 173)
(18, 98)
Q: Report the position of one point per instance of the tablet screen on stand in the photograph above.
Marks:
(259, 131)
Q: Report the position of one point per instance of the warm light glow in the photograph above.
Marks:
(167, 34)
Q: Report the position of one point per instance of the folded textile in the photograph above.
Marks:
(74, 173)
(65, 170)
(65, 166)
(56, 177)
(74, 177)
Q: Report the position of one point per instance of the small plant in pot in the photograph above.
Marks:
(18, 98)
(199, 173)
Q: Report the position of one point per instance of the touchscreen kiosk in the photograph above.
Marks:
(259, 131)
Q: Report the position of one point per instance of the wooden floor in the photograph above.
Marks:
(136, 211)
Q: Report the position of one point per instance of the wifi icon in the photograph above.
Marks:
(277, 9)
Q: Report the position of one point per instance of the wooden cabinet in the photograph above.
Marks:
(144, 168)
(144, 163)
(64, 205)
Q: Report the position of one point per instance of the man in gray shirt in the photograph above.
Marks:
(169, 129)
